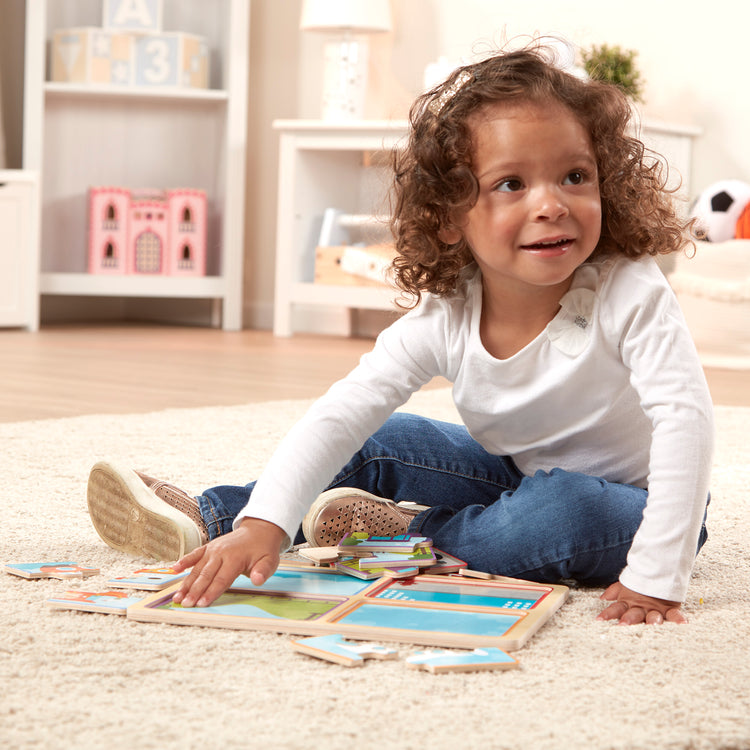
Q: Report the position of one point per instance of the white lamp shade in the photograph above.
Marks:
(363, 16)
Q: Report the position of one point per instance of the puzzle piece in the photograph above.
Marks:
(400, 572)
(320, 555)
(350, 566)
(468, 573)
(105, 602)
(347, 653)
(147, 579)
(444, 563)
(479, 659)
(61, 570)
(420, 558)
(362, 544)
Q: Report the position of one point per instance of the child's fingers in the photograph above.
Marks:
(191, 560)
(613, 611)
(637, 614)
(188, 582)
(674, 614)
(220, 581)
(634, 616)
(262, 571)
(187, 561)
(251, 549)
(202, 579)
(611, 593)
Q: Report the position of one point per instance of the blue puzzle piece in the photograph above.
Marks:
(335, 648)
(448, 661)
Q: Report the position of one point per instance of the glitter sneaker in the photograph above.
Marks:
(143, 516)
(343, 510)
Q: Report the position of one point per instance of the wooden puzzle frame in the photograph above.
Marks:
(442, 610)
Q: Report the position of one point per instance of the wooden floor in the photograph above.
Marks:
(68, 371)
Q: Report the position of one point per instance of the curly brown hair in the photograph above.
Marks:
(434, 181)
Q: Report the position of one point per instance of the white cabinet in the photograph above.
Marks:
(324, 165)
(77, 136)
(19, 259)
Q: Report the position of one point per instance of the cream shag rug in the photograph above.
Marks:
(78, 680)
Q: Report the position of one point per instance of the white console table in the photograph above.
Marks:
(325, 165)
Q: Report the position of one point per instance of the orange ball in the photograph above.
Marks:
(742, 231)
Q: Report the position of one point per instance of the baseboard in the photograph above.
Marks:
(329, 321)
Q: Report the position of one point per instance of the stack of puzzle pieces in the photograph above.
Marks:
(370, 556)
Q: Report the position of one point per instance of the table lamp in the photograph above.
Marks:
(346, 54)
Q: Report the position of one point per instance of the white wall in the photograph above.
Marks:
(690, 52)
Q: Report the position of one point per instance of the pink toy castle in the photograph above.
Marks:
(147, 231)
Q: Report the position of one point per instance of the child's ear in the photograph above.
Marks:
(449, 235)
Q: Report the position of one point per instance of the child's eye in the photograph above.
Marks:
(509, 185)
(576, 177)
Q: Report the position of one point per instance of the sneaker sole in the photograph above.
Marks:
(130, 518)
(331, 536)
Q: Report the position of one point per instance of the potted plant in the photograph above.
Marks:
(612, 63)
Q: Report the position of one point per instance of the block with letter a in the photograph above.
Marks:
(142, 16)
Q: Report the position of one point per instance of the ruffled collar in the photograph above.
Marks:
(570, 330)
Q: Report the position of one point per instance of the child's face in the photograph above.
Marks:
(538, 214)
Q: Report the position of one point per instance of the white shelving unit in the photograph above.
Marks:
(77, 136)
(322, 165)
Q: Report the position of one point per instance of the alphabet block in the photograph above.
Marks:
(90, 55)
(95, 56)
(171, 59)
(143, 16)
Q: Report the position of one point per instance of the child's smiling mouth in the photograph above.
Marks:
(549, 247)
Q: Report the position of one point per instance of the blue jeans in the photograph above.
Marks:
(546, 527)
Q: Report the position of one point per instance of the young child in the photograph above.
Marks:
(526, 218)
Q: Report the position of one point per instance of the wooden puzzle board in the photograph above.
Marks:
(443, 610)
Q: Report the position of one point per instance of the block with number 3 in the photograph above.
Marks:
(171, 59)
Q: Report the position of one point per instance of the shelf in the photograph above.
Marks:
(343, 126)
(356, 221)
(656, 126)
(75, 90)
(358, 135)
(77, 135)
(99, 285)
(367, 297)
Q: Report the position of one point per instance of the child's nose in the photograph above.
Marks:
(550, 205)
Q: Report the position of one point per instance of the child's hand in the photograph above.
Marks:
(252, 548)
(631, 608)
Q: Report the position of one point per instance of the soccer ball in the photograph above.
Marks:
(717, 209)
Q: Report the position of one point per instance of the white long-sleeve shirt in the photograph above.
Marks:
(612, 388)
